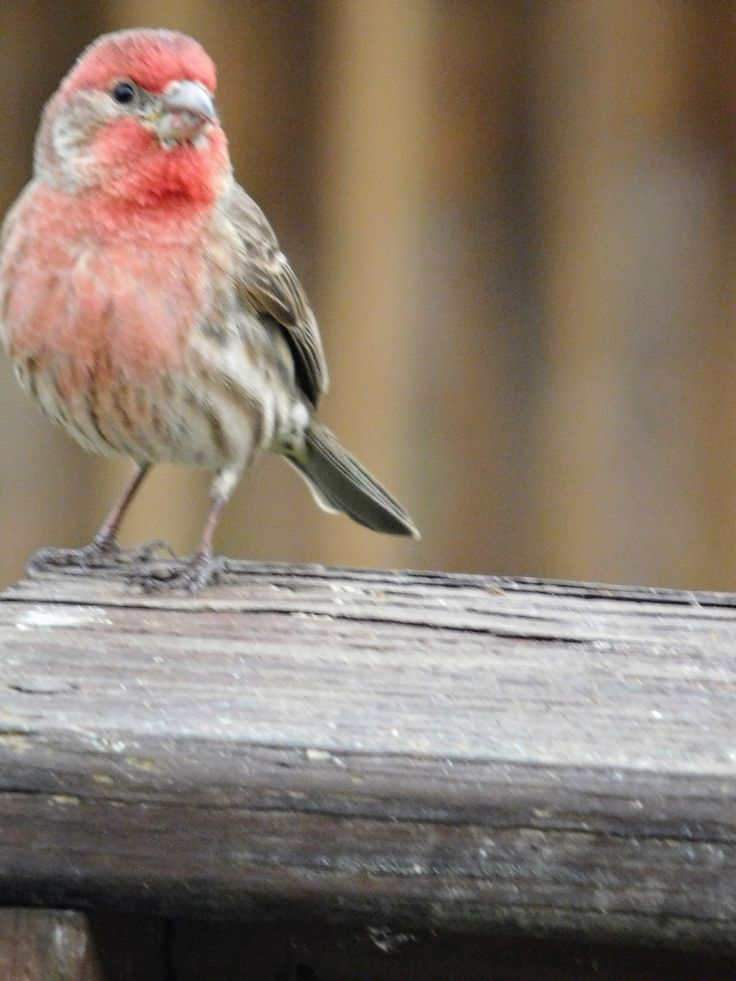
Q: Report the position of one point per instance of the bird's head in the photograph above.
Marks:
(135, 119)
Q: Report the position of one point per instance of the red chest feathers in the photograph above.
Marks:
(98, 301)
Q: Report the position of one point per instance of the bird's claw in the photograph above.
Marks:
(147, 551)
(89, 556)
(96, 555)
(200, 571)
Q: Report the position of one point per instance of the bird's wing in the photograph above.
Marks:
(270, 285)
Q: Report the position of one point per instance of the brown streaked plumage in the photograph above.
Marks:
(146, 303)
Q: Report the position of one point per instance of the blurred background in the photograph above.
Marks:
(516, 220)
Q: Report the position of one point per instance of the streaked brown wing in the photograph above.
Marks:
(272, 287)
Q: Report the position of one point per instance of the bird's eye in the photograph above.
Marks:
(123, 92)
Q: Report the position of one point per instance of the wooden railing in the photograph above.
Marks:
(412, 752)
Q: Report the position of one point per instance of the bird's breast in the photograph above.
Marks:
(108, 333)
(93, 302)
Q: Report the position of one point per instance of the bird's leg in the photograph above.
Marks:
(204, 567)
(104, 548)
(106, 538)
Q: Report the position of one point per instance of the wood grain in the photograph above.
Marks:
(444, 750)
(46, 945)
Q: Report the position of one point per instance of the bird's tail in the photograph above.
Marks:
(340, 483)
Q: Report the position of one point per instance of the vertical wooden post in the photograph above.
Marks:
(473, 316)
(373, 163)
(46, 945)
(630, 234)
(711, 104)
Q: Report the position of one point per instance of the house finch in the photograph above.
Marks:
(146, 305)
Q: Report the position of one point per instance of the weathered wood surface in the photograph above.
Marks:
(443, 750)
(46, 945)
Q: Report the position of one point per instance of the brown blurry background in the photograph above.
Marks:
(516, 223)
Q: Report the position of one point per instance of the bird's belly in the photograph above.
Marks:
(174, 420)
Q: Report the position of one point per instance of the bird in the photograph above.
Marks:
(148, 309)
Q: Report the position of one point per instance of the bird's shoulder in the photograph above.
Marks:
(267, 282)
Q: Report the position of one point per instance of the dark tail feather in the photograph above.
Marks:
(340, 483)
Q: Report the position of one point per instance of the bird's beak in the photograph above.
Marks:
(186, 108)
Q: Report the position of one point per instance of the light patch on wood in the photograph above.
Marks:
(40, 617)
(14, 741)
(141, 762)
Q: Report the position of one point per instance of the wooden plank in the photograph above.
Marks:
(443, 750)
(474, 379)
(631, 225)
(373, 186)
(46, 945)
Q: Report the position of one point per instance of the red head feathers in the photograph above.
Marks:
(150, 58)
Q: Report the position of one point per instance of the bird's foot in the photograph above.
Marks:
(200, 571)
(146, 552)
(99, 553)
